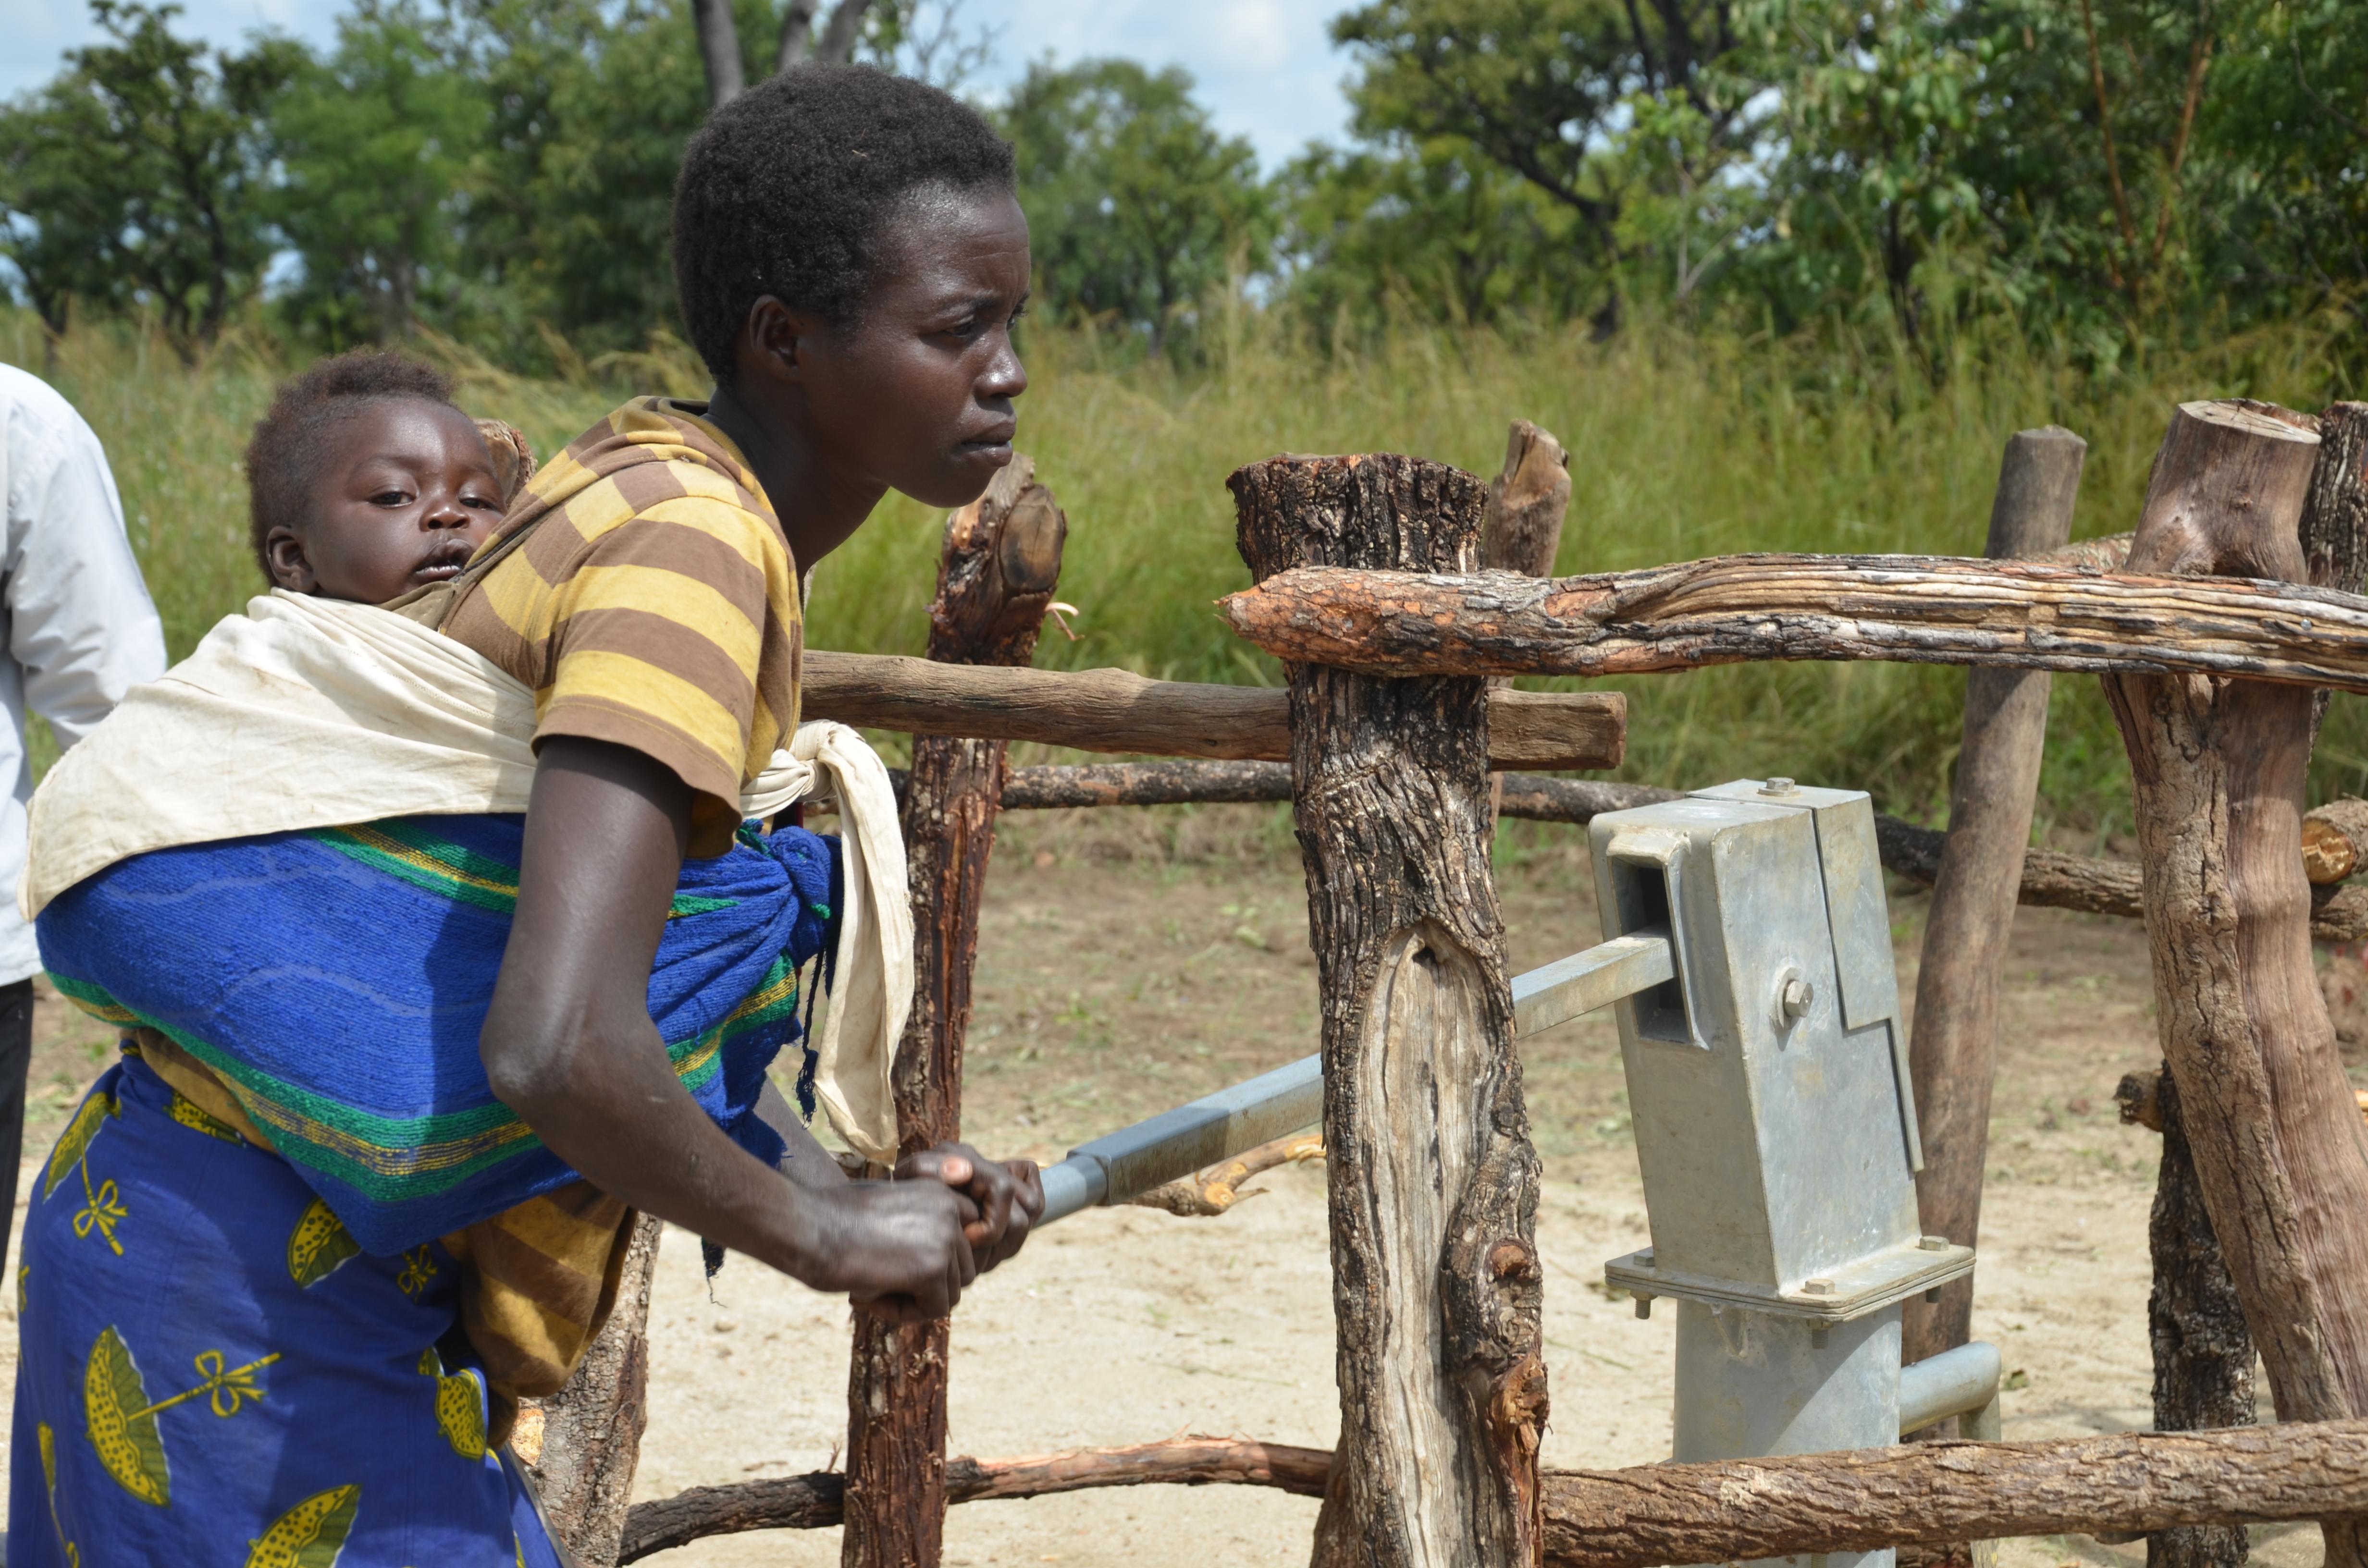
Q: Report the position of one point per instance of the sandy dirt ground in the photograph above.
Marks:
(1128, 966)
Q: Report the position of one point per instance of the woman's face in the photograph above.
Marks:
(916, 393)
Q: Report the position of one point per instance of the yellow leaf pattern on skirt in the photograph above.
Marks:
(310, 1534)
(459, 1406)
(75, 1140)
(318, 1245)
(50, 1477)
(122, 1423)
(197, 1119)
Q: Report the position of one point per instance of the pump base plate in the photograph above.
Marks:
(1861, 1286)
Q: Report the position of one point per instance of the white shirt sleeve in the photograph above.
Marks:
(78, 628)
(80, 624)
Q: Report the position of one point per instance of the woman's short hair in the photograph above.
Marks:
(784, 190)
(283, 458)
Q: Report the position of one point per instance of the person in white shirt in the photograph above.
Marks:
(78, 630)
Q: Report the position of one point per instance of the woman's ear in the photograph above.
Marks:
(775, 345)
(290, 568)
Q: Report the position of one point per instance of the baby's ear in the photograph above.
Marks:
(514, 461)
(290, 568)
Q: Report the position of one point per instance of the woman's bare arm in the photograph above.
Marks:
(568, 1044)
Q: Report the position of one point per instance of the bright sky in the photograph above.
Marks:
(1265, 68)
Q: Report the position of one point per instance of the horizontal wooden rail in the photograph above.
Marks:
(817, 1501)
(1112, 711)
(2050, 879)
(2126, 1483)
(1932, 1494)
(1905, 609)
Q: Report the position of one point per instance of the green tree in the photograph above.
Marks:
(379, 147)
(1136, 206)
(1594, 102)
(1430, 227)
(1877, 105)
(591, 104)
(148, 150)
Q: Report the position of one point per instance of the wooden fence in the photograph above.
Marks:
(2233, 611)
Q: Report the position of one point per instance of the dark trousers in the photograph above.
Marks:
(16, 1060)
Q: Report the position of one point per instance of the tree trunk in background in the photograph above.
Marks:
(2219, 768)
(1433, 1184)
(1002, 562)
(718, 50)
(1953, 1052)
(592, 1428)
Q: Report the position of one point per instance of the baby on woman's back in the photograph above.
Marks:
(366, 482)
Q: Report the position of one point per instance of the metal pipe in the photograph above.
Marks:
(1955, 1383)
(1175, 1144)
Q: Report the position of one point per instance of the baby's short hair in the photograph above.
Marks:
(783, 191)
(284, 456)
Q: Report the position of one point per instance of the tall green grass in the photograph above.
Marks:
(1681, 446)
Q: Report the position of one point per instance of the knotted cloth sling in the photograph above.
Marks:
(181, 851)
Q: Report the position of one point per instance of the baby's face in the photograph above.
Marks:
(406, 495)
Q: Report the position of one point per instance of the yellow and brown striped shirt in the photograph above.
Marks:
(655, 604)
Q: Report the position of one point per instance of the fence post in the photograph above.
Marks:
(1953, 1051)
(1433, 1183)
(589, 1443)
(2219, 767)
(1001, 563)
(2202, 1349)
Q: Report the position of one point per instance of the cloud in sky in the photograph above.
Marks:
(1265, 68)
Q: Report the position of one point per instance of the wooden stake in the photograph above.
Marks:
(1522, 529)
(591, 1430)
(1953, 1053)
(1001, 563)
(2219, 768)
(1433, 1183)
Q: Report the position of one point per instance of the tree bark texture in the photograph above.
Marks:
(813, 1502)
(2219, 768)
(2202, 1351)
(1799, 1505)
(2335, 514)
(1437, 1284)
(1001, 563)
(2334, 526)
(1113, 710)
(1731, 609)
(591, 1440)
(1953, 1052)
